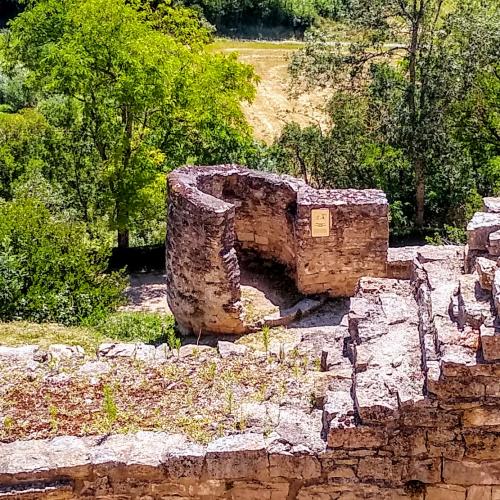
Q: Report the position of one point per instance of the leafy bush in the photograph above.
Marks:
(50, 270)
(138, 326)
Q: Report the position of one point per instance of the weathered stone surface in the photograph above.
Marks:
(63, 351)
(145, 352)
(116, 350)
(383, 323)
(490, 342)
(379, 468)
(479, 493)
(215, 210)
(22, 353)
(227, 349)
(481, 445)
(287, 465)
(238, 456)
(400, 259)
(479, 229)
(445, 492)
(494, 244)
(491, 204)
(485, 269)
(471, 473)
(357, 437)
(483, 416)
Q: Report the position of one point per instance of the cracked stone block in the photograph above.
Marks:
(118, 350)
(145, 352)
(494, 244)
(490, 343)
(63, 351)
(491, 204)
(238, 456)
(228, 349)
(480, 228)
(485, 269)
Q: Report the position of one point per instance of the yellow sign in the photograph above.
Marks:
(320, 222)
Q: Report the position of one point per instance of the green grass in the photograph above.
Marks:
(17, 333)
(227, 43)
(123, 327)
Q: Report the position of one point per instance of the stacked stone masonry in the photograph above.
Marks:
(410, 410)
(215, 212)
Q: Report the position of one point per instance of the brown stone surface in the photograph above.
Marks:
(214, 213)
(480, 228)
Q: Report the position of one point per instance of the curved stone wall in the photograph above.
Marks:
(215, 211)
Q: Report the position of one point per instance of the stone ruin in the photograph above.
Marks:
(408, 401)
(327, 239)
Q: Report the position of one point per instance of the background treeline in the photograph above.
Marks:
(240, 17)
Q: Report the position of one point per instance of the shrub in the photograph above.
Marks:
(50, 270)
(138, 326)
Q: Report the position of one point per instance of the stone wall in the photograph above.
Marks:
(241, 209)
(410, 409)
(357, 244)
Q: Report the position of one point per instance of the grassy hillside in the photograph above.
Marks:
(274, 106)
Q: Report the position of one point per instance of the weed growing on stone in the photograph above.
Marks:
(209, 371)
(109, 406)
(173, 341)
(266, 338)
(53, 413)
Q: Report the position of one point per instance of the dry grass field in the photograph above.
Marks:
(274, 106)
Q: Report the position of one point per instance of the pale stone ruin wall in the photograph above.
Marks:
(270, 214)
(410, 410)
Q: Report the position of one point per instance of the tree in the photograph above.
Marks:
(118, 78)
(414, 62)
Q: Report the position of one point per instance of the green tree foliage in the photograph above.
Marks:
(130, 93)
(50, 270)
(415, 81)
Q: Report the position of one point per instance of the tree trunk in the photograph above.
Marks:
(420, 191)
(123, 238)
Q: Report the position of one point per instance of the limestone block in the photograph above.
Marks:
(116, 350)
(357, 437)
(445, 492)
(491, 204)
(479, 229)
(286, 465)
(228, 349)
(426, 471)
(63, 351)
(494, 244)
(479, 493)
(145, 352)
(485, 269)
(490, 342)
(471, 473)
(486, 416)
(379, 468)
(252, 490)
(482, 445)
(241, 456)
(22, 353)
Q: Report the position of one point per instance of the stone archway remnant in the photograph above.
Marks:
(327, 239)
